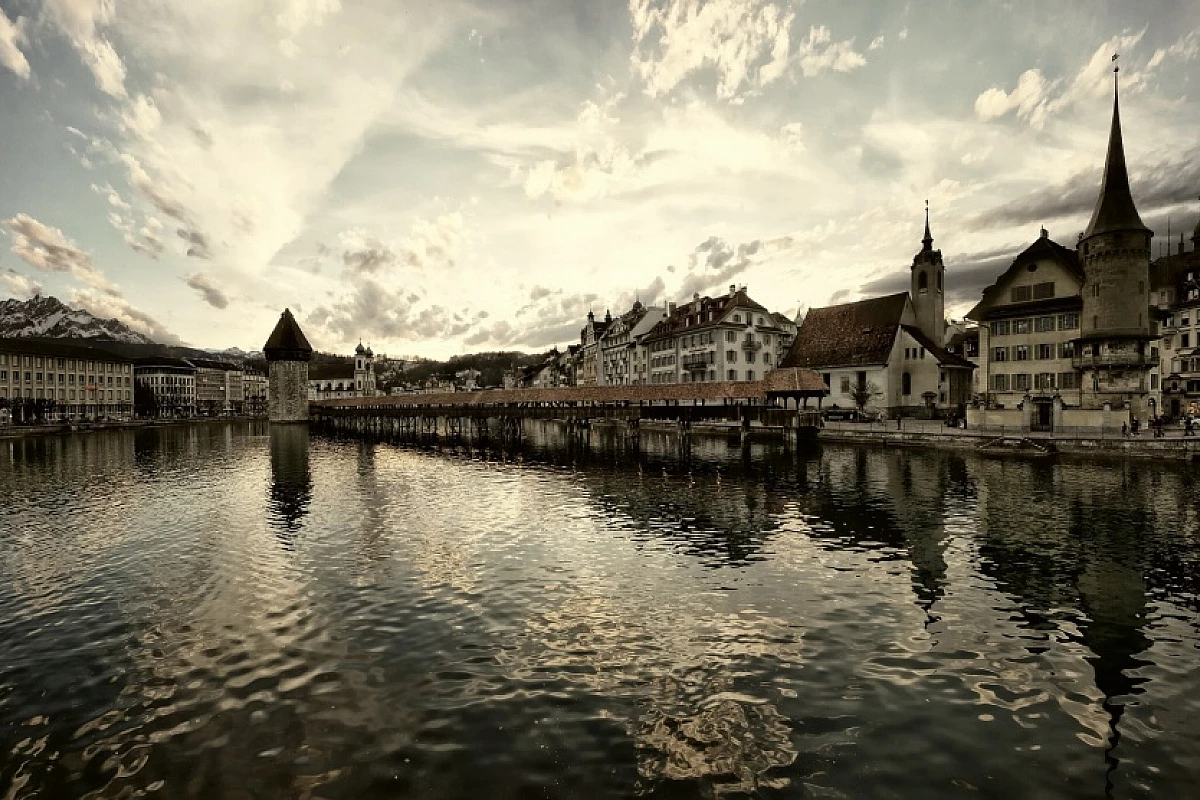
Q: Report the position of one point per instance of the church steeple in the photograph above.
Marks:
(1115, 210)
(928, 240)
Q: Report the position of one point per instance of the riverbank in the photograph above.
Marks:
(23, 431)
(1177, 448)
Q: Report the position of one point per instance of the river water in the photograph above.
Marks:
(222, 611)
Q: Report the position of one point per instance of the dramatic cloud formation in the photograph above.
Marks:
(18, 285)
(481, 173)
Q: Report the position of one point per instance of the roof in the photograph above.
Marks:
(943, 356)
(330, 371)
(1042, 247)
(1115, 210)
(36, 346)
(716, 390)
(850, 334)
(681, 320)
(788, 380)
(287, 342)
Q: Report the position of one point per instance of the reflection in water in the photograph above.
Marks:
(291, 482)
(533, 621)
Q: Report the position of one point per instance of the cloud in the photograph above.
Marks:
(365, 253)
(81, 22)
(715, 262)
(967, 275)
(18, 285)
(197, 243)
(1166, 182)
(12, 34)
(439, 241)
(745, 42)
(373, 310)
(876, 43)
(819, 53)
(48, 249)
(108, 306)
(211, 294)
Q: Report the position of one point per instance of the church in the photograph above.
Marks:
(332, 380)
(887, 354)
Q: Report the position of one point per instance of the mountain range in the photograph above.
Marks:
(50, 318)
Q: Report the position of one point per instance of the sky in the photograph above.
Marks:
(443, 177)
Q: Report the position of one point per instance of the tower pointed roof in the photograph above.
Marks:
(928, 240)
(1115, 210)
(287, 342)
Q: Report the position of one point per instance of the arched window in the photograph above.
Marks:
(906, 384)
(922, 282)
(939, 281)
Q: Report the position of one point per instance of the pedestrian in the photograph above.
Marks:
(1125, 429)
(1134, 427)
(1187, 426)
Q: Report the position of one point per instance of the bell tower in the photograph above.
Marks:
(927, 290)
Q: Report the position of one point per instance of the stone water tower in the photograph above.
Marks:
(287, 353)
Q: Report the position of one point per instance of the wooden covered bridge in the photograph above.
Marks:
(780, 400)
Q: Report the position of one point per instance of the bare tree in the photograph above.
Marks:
(862, 394)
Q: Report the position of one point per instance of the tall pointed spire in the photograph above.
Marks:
(1115, 210)
(928, 240)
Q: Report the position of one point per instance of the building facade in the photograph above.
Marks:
(622, 342)
(166, 387)
(1175, 295)
(48, 379)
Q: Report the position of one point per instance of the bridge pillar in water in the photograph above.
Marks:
(287, 352)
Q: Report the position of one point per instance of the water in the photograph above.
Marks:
(212, 611)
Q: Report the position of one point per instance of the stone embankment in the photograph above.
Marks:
(913, 433)
(19, 431)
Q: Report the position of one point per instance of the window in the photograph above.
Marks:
(731, 356)
(1020, 326)
(906, 384)
(1021, 294)
(1184, 339)
(766, 358)
(1020, 382)
(730, 336)
(845, 384)
(999, 354)
(749, 374)
(1068, 380)
(1045, 351)
(750, 357)
(1021, 352)
(39, 375)
(1066, 349)
(922, 285)
(1000, 383)
(1153, 382)
(737, 317)
(1043, 324)
(1000, 328)
(1068, 322)
(732, 375)
(922, 352)
(1043, 380)
(1043, 291)
(1185, 320)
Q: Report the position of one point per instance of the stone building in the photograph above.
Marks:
(886, 354)
(1175, 294)
(726, 338)
(328, 380)
(171, 382)
(620, 345)
(1068, 337)
(589, 349)
(287, 352)
(51, 379)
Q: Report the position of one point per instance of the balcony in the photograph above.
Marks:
(696, 361)
(751, 346)
(1130, 359)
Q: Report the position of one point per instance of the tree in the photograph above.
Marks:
(862, 393)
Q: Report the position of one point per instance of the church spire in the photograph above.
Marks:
(928, 240)
(1115, 210)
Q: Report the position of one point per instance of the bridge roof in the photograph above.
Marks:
(782, 381)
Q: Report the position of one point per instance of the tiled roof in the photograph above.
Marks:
(797, 381)
(944, 357)
(678, 322)
(1042, 247)
(331, 371)
(56, 348)
(847, 335)
(287, 338)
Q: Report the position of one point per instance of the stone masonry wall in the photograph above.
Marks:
(287, 395)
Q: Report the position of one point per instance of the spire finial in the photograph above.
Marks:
(928, 240)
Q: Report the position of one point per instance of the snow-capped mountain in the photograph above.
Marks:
(46, 316)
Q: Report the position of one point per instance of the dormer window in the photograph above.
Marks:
(737, 317)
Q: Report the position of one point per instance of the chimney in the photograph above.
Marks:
(732, 290)
(1181, 243)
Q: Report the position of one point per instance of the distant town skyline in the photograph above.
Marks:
(458, 176)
